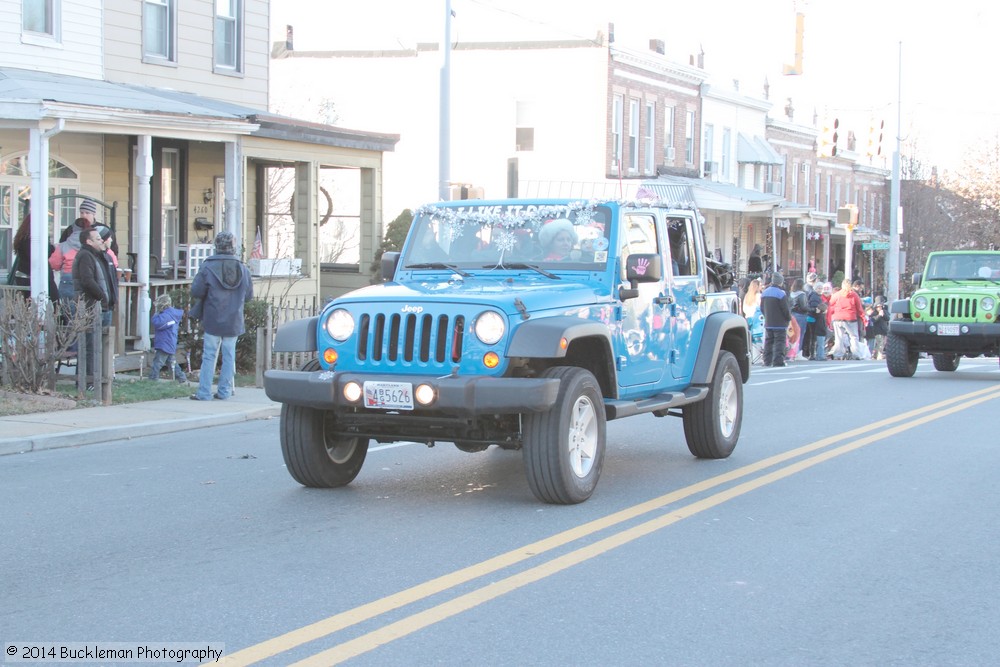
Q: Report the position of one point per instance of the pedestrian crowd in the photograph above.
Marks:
(813, 320)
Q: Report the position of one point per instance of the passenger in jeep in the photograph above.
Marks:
(558, 239)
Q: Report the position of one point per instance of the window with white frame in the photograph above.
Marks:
(228, 35)
(708, 150)
(805, 183)
(829, 191)
(795, 181)
(159, 20)
(617, 122)
(689, 138)
(170, 184)
(633, 135)
(40, 17)
(650, 152)
(727, 140)
(819, 182)
(668, 135)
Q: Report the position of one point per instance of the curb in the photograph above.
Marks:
(120, 432)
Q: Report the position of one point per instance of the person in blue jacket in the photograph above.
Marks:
(221, 287)
(777, 316)
(166, 324)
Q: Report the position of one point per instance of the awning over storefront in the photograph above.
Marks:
(711, 195)
(755, 150)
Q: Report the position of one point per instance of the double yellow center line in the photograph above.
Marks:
(855, 439)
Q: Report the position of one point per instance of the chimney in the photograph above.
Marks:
(701, 59)
(288, 38)
(657, 46)
(611, 33)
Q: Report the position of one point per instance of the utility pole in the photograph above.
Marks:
(444, 147)
(892, 261)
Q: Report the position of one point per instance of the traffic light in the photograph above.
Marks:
(829, 137)
(875, 139)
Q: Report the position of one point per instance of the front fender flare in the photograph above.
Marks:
(540, 338)
(297, 336)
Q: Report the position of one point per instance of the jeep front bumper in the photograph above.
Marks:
(455, 396)
(971, 338)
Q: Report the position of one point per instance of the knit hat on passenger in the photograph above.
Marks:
(104, 231)
(163, 302)
(553, 227)
(88, 206)
(225, 243)
(777, 280)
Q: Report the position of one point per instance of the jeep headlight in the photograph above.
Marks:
(920, 302)
(340, 324)
(489, 327)
(989, 303)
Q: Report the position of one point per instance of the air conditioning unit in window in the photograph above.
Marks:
(670, 153)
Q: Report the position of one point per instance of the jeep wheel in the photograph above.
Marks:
(946, 362)
(899, 358)
(313, 455)
(563, 448)
(712, 426)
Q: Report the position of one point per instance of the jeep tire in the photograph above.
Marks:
(314, 457)
(945, 362)
(712, 426)
(899, 358)
(563, 448)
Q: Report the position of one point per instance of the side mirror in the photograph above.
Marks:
(917, 277)
(640, 268)
(643, 268)
(389, 262)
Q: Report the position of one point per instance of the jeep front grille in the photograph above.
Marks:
(952, 307)
(409, 338)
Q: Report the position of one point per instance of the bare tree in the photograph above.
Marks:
(977, 190)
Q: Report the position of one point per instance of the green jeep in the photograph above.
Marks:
(953, 313)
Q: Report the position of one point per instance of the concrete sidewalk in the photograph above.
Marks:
(85, 426)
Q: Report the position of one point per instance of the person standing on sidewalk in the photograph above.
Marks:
(777, 316)
(220, 288)
(93, 279)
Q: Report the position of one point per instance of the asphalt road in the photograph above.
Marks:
(853, 525)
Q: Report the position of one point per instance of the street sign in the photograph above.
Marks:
(875, 245)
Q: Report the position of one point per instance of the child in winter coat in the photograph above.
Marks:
(166, 323)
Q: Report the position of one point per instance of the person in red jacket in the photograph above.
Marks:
(845, 313)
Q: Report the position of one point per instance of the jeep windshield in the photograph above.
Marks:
(964, 266)
(542, 238)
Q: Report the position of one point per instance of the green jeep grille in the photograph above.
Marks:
(953, 307)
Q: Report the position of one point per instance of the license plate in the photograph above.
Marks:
(389, 395)
(948, 330)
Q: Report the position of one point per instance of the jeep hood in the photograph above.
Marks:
(535, 295)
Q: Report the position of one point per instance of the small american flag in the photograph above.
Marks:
(258, 247)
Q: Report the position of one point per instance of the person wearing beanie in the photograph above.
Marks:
(777, 315)
(166, 324)
(221, 287)
(94, 278)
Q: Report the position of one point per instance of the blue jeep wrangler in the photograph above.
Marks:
(525, 324)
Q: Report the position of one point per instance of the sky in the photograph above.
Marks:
(930, 64)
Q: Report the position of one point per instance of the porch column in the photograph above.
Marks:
(143, 173)
(38, 171)
(234, 190)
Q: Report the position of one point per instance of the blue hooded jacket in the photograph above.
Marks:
(223, 284)
(165, 327)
